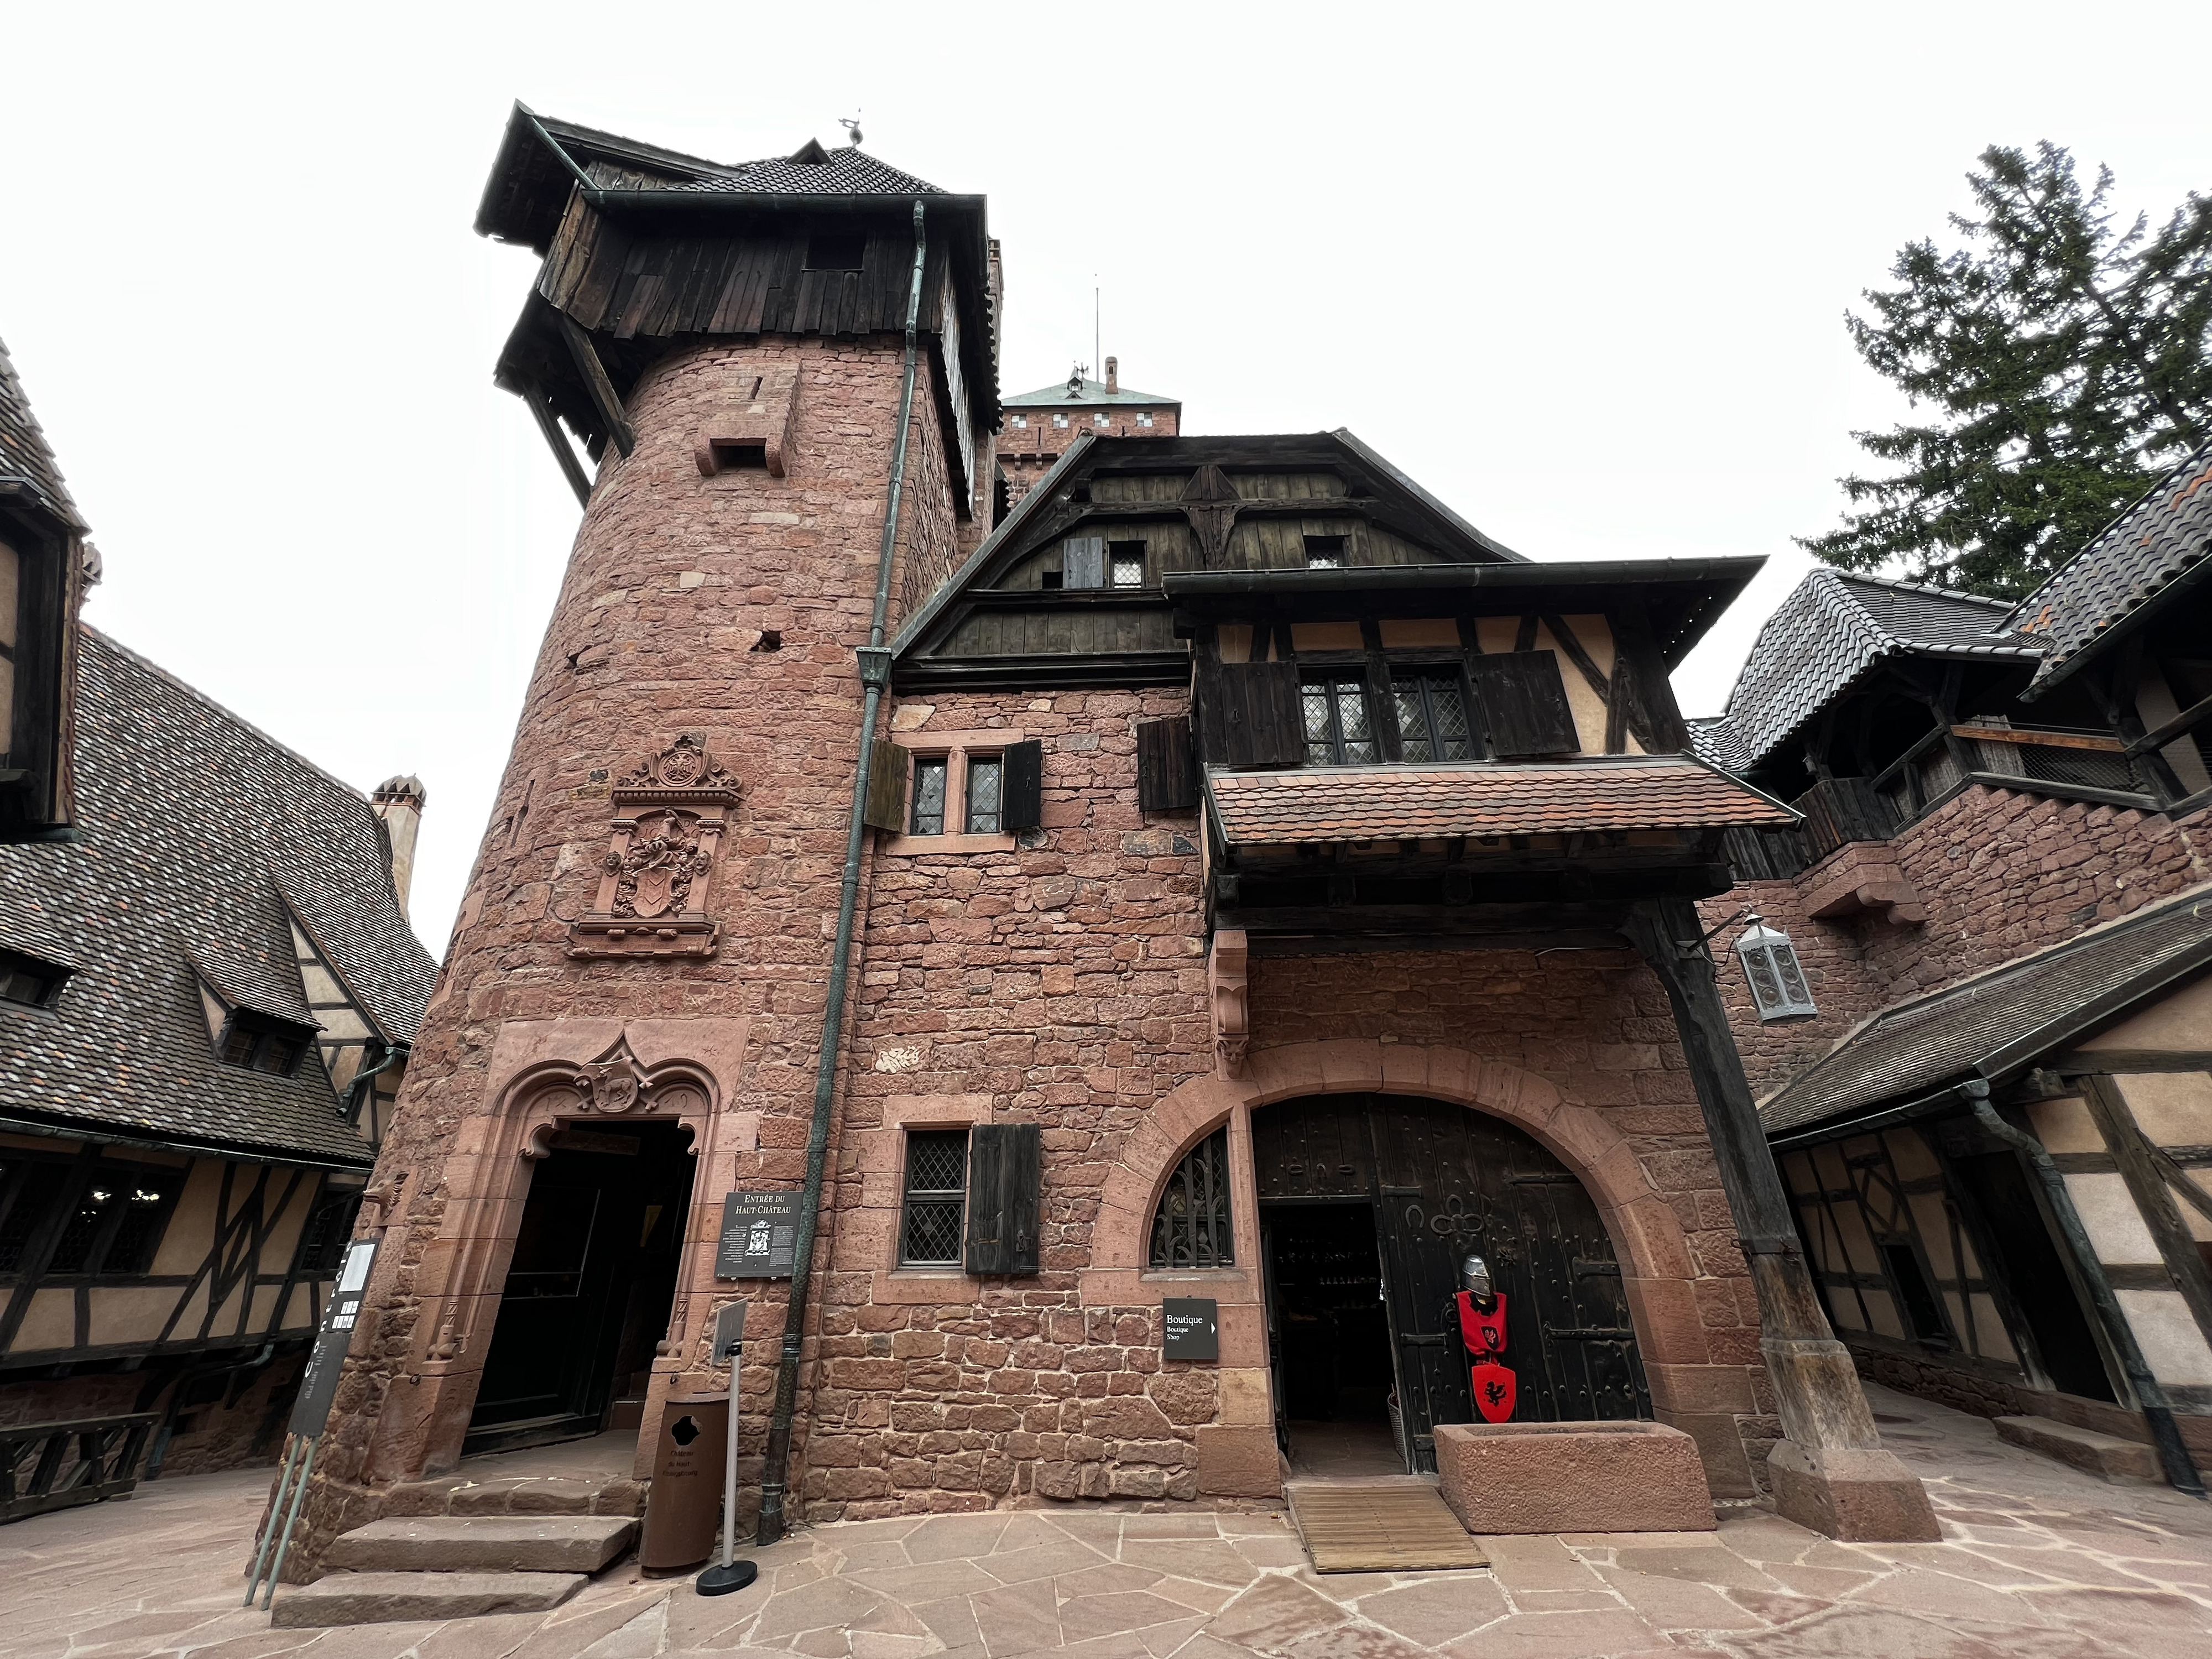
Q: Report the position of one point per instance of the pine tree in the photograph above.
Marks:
(2064, 369)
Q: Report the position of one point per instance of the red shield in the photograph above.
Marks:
(1494, 1388)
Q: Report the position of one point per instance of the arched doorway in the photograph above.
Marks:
(1429, 1182)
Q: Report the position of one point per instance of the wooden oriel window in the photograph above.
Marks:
(1191, 1228)
(1339, 731)
(1432, 723)
(936, 1190)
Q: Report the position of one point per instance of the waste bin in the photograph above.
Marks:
(684, 1509)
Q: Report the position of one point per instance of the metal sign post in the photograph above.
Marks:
(727, 1575)
(319, 1386)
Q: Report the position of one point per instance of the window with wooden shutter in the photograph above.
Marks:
(1022, 787)
(1249, 715)
(1167, 767)
(1524, 703)
(1005, 1179)
(1083, 562)
(937, 1180)
(886, 807)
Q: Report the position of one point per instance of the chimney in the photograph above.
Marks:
(1112, 375)
(398, 801)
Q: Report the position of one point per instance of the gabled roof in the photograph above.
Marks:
(1997, 1023)
(28, 471)
(1322, 805)
(201, 839)
(541, 158)
(1832, 628)
(1068, 394)
(2097, 595)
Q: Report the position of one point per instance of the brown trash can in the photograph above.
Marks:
(684, 1509)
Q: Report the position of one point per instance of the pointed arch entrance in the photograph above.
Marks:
(1429, 1182)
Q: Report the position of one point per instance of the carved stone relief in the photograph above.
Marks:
(1227, 974)
(658, 872)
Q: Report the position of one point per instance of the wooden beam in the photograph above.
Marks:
(548, 424)
(2147, 1184)
(611, 413)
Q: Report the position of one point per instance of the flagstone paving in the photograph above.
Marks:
(2039, 1561)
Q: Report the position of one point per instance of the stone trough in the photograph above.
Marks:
(1572, 1477)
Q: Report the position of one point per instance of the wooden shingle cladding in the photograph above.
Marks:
(42, 582)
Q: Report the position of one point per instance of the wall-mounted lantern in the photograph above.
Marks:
(1770, 964)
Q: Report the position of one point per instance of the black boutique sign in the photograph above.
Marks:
(1194, 1328)
(760, 1236)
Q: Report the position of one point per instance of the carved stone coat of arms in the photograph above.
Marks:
(657, 874)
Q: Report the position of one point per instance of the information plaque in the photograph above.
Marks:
(1194, 1328)
(319, 1384)
(760, 1234)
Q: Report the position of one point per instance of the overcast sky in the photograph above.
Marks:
(1580, 270)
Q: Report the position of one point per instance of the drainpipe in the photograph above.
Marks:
(2173, 1455)
(875, 675)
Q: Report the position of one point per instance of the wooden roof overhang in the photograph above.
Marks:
(542, 194)
(1682, 597)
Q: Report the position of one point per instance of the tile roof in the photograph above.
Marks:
(27, 462)
(1319, 804)
(2002, 1020)
(201, 836)
(2161, 537)
(1057, 396)
(841, 172)
(1832, 629)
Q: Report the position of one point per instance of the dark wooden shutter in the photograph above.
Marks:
(1083, 562)
(886, 807)
(1249, 715)
(1021, 800)
(1006, 1181)
(1524, 703)
(1167, 770)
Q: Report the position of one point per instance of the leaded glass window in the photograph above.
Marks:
(929, 776)
(1431, 717)
(936, 1197)
(1338, 731)
(986, 781)
(1191, 1228)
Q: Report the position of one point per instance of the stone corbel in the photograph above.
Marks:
(1862, 876)
(760, 425)
(1226, 975)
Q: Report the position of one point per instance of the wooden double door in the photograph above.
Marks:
(1445, 1182)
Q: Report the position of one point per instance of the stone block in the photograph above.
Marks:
(1572, 1477)
(381, 1598)
(1239, 1460)
(1858, 1496)
(483, 1544)
(2085, 1450)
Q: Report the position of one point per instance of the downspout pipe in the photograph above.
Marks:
(2158, 1414)
(875, 676)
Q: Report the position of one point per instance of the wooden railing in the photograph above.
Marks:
(1841, 810)
(56, 1465)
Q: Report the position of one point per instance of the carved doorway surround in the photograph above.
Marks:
(546, 1075)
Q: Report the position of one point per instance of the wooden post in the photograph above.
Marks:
(1829, 1469)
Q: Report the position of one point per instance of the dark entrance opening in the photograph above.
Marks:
(588, 1290)
(2041, 1287)
(1443, 1183)
(1330, 1340)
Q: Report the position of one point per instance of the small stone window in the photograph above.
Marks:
(1769, 965)
(1059, 421)
(28, 980)
(261, 1043)
(1191, 1228)
(1127, 562)
(1100, 421)
(1143, 417)
(936, 1198)
(931, 775)
(987, 776)
(1324, 552)
(1021, 420)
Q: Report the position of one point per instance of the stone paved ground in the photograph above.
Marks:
(2040, 1562)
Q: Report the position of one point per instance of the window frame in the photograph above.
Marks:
(72, 1181)
(1336, 677)
(1138, 552)
(1405, 671)
(956, 1197)
(264, 1029)
(1328, 552)
(956, 749)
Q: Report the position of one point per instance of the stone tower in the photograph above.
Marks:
(640, 966)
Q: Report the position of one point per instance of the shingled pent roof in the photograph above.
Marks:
(1324, 804)
(200, 834)
(1832, 629)
(1999, 1022)
(2155, 543)
(28, 467)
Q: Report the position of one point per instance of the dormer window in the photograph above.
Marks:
(1324, 552)
(261, 1042)
(837, 250)
(28, 982)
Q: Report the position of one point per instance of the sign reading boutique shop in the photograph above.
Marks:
(760, 1236)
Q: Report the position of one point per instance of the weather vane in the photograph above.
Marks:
(852, 129)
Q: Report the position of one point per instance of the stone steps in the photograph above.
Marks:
(2104, 1455)
(455, 1567)
(379, 1598)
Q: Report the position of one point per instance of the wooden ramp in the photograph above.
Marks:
(1380, 1526)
